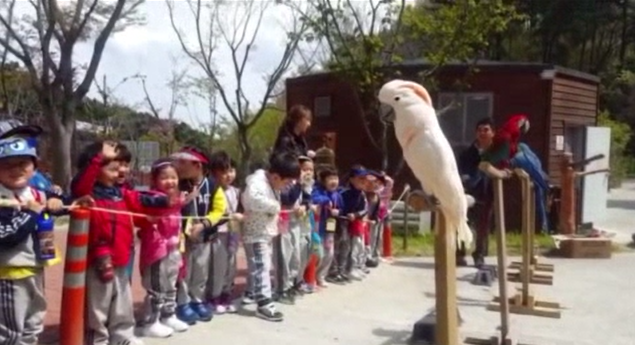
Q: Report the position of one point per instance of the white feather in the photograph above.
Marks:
(428, 152)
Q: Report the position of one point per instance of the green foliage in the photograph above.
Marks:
(261, 135)
(458, 31)
(621, 134)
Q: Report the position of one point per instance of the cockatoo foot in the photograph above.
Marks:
(432, 200)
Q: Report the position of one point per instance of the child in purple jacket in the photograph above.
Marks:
(329, 201)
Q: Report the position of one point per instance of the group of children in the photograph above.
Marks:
(190, 223)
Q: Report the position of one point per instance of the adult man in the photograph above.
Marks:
(477, 185)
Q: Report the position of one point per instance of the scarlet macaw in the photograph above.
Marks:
(507, 151)
(505, 142)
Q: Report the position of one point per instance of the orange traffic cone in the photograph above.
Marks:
(387, 241)
(311, 271)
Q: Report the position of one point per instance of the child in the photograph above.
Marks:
(289, 244)
(326, 197)
(124, 157)
(351, 247)
(224, 244)
(261, 202)
(160, 258)
(207, 209)
(109, 313)
(384, 190)
(22, 257)
(306, 183)
(375, 225)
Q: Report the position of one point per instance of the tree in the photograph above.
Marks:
(164, 130)
(44, 40)
(236, 26)
(364, 39)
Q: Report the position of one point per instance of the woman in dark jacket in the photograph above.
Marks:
(291, 135)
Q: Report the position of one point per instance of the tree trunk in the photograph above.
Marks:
(60, 150)
(245, 152)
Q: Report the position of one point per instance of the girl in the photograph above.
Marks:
(160, 259)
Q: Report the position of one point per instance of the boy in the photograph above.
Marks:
(374, 208)
(124, 157)
(208, 208)
(351, 244)
(289, 241)
(21, 261)
(326, 197)
(222, 270)
(109, 310)
(261, 203)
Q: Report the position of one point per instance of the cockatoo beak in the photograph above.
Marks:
(386, 113)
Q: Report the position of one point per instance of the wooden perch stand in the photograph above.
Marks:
(568, 175)
(530, 261)
(524, 302)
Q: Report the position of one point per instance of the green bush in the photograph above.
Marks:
(621, 164)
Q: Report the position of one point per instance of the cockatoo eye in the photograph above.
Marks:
(397, 98)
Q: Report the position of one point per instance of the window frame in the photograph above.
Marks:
(462, 97)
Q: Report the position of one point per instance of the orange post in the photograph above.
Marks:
(74, 291)
(387, 240)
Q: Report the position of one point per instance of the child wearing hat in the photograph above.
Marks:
(25, 249)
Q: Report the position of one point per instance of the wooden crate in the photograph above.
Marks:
(586, 247)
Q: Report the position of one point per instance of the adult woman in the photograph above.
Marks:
(291, 135)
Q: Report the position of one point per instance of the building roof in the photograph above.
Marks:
(534, 67)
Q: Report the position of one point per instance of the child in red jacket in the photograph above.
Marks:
(109, 314)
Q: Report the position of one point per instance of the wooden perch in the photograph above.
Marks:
(522, 174)
(585, 173)
(585, 162)
(493, 172)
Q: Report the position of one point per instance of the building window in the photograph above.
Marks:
(322, 106)
(465, 110)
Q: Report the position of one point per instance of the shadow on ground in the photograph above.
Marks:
(393, 337)
(413, 264)
(623, 204)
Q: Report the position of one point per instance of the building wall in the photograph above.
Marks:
(513, 90)
(574, 104)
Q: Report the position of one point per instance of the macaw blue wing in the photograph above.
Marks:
(527, 160)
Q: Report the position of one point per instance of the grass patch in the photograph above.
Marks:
(423, 244)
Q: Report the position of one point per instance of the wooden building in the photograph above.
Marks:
(560, 104)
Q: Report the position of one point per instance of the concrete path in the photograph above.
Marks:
(598, 297)
(620, 213)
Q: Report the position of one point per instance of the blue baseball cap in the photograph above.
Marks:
(359, 172)
(18, 147)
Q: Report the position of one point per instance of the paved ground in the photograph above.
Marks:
(620, 212)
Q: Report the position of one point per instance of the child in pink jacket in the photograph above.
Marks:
(160, 258)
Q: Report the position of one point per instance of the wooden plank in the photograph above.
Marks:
(574, 84)
(447, 329)
(566, 97)
(573, 105)
(574, 91)
(564, 113)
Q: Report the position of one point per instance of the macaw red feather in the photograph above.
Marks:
(505, 142)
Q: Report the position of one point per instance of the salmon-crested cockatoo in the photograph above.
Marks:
(428, 152)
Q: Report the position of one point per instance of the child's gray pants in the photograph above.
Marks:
(22, 310)
(197, 261)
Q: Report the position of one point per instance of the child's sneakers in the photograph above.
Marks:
(322, 284)
(174, 323)
(306, 288)
(157, 330)
(248, 298)
(186, 314)
(268, 312)
(286, 297)
(203, 312)
(227, 302)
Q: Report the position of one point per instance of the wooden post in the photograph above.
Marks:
(567, 197)
(447, 329)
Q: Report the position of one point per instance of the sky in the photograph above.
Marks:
(153, 50)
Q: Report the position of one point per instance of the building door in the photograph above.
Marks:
(595, 187)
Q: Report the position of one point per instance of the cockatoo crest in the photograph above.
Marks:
(402, 94)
